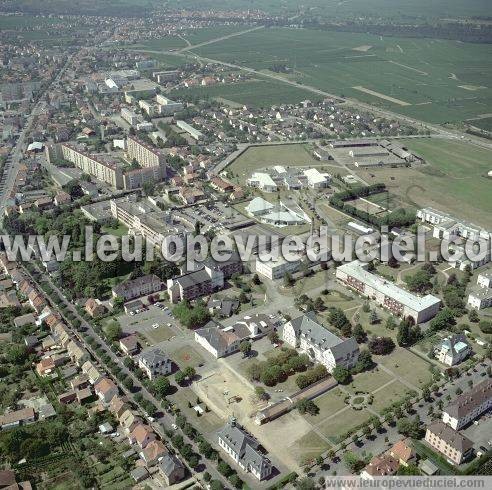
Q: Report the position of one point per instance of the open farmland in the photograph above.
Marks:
(454, 179)
(427, 78)
(255, 93)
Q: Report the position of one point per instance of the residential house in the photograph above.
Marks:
(142, 435)
(453, 349)
(403, 452)
(171, 469)
(306, 334)
(18, 417)
(382, 465)
(62, 198)
(153, 452)
(77, 353)
(129, 345)
(94, 308)
(105, 389)
(154, 362)
(117, 406)
(244, 449)
(135, 288)
(91, 370)
(128, 420)
(45, 367)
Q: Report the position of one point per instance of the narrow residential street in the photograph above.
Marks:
(161, 424)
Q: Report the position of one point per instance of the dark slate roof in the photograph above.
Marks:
(467, 402)
(308, 326)
(154, 356)
(245, 445)
(170, 463)
(450, 436)
(126, 286)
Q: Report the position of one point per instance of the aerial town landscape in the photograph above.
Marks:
(135, 134)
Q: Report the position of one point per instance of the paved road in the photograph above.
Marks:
(162, 423)
(217, 39)
(452, 134)
(12, 169)
(378, 444)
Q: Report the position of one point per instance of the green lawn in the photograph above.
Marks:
(258, 157)
(369, 381)
(119, 231)
(186, 356)
(454, 179)
(328, 404)
(409, 366)
(338, 426)
(389, 395)
(309, 447)
(159, 334)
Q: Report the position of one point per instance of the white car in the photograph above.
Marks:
(155, 325)
(169, 324)
(174, 427)
(132, 313)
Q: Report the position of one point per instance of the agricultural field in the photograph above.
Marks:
(254, 93)
(454, 179)
(484, 123)
(435, 80)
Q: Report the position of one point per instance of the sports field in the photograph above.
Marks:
(424, 78)
(454, 179)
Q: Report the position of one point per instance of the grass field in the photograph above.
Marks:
(437, 80)
(159, 334)
(328, 404)
(391, 393)
(254, 93)
(483, 123)
(369, 381)
(258, 157)
(334, 427)
(454, 180)
(186, 356)
(410, 367)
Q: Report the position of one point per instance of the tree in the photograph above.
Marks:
(381, 345)
(261, 393)
(359, 333)
(444, 319)
(189, 372)
(306, 484)
(473, 316)
(273, 337)
(113, 332)
(485, 326)
(128, 383)
(364, 362)
(341, 374)
(307, 406)
(16, 354)
(353, 462)
(256, 280)
(180, 377)
(410, 428)
(390, 323)
(338, 318)
(161, 386)
(245, 347)
(373, 317)
(288, 280)
(419, 282)
(404, 336)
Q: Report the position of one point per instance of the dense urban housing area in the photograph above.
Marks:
(338, 158)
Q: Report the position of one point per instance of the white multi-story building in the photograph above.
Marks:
(276, 268)
(307, 335)
(387, 294)
(154, 362)
(193, 132)
(468, 406)
(481, 297)
(129, 116)
(168, 106)
(316, 179)
(448, 227)
(244, 449)
(145, 154)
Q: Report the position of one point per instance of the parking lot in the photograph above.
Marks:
(155, 323)
(480, 433)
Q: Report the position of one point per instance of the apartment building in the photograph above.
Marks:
(306, 334)
(481, 296)
(450, 443)
(101, 167)
(135, 288)
(129, 116)
(387, 294)
(244, 449)
(276, 268)
(145, 154)
(193, 132)
(468, 406)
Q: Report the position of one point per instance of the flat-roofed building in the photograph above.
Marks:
(102, 167)
(146, 156)
(193, 132)
(468, 406)
(263, 181)
(387, 294)
(129, 116)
